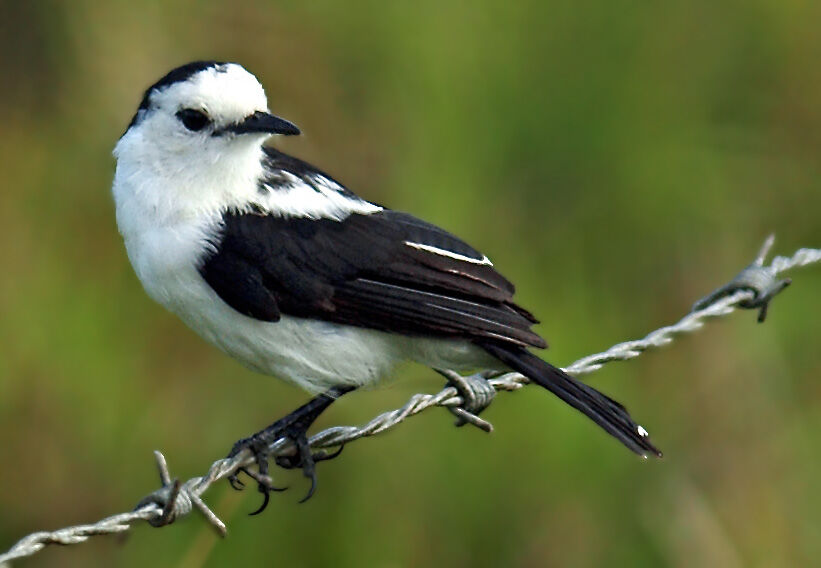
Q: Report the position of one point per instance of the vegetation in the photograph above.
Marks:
(616, 160)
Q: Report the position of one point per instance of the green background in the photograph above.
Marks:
(617, 160)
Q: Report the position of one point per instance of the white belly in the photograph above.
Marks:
(314, 355)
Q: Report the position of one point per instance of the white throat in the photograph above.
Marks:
(151, 185)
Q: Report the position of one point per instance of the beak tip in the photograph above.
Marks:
(293, 131)
(277, 125)
(264, 122)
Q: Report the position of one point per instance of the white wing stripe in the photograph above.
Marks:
(323, 200)
(450, 254)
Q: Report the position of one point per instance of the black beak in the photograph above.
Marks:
(263, 122)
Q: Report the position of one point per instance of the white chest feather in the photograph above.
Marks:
(166, 246)
(311, 354)
(169, 224)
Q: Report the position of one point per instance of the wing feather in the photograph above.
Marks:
(360, 271)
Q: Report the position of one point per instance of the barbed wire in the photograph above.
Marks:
(466, 397)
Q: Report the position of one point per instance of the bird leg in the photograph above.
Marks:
(295, 427)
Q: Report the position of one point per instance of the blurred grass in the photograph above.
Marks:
(616, 160)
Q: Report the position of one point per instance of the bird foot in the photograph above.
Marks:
(258, 446)
(293, 427)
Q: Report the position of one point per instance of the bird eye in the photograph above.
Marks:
(193, 119)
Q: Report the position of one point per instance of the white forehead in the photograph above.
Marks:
(223, 91)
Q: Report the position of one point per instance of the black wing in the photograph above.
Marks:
(392, 272)
(387, 271)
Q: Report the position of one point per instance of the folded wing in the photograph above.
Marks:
(387, 271)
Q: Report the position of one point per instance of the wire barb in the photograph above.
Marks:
(464, 396)
(759, 279)
(476, 394)
(170, 497)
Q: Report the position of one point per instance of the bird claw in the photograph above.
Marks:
(234, 480)
(295, 428)
(238, 485)
(304, 458)
(324, 455)
(294, 461)
(264, 482)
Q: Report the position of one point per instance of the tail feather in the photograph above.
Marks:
(604, 411)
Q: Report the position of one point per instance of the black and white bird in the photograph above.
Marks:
(292, 274)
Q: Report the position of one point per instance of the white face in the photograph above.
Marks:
(195, 150)
(226, 93)
(194, 145)
(188, 117)
(210, 99)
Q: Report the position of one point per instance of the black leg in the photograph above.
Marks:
(294, 426)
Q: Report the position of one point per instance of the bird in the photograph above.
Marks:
(291, 273)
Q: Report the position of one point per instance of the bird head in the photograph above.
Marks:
(194, 144)
(204, 109)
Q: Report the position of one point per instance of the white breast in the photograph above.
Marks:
(313, 355)
(168, 224)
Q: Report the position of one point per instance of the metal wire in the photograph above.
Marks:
(177, 499)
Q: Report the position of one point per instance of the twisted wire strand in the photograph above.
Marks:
(175, 499)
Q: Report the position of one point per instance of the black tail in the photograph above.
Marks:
(604, 411)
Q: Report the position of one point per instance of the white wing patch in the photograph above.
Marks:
(450, 254)
(293, 197)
